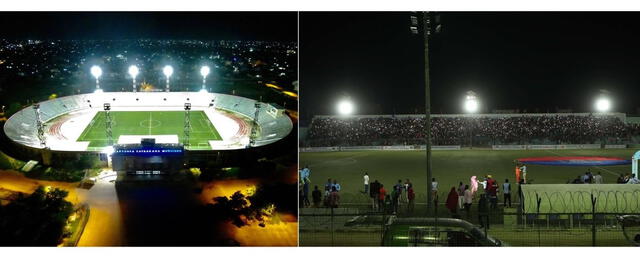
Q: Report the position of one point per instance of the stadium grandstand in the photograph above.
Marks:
(472, 129)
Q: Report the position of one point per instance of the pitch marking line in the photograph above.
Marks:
(604, 169)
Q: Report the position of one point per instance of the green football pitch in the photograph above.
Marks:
(150, 123)
(448, 167)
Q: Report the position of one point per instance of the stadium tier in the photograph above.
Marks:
(472, 130)
(219, 121)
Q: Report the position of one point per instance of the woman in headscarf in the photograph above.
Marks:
(452, 201)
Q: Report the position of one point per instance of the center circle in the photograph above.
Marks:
(150, 123)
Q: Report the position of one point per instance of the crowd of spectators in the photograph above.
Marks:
(403, 130)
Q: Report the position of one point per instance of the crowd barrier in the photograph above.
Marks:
(369, 148)
(553, 147)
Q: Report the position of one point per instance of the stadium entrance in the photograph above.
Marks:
(147, 159)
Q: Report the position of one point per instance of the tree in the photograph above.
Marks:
(37, 219)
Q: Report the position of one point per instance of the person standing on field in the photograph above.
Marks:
(381, 195)
(366, 183)
(598, 178)
(460, 195)
(468, 200)
(316, 195)
(506, 190)
(411, 197)
(374, 190)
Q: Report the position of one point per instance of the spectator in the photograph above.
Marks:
(411, 197)
(305, 193)
(327, 187)
(621, 179)
(334, 198)
(460, 195)
(373, 193)
(381, 196)
(483, 211)
(506, 190)
(316, 195)
(434, 190)
(366, 183)
(598, 178)
(452, 202)
(336, 185)
(468, 200)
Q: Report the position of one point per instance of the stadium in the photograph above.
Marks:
(391, 147)
(76, 124)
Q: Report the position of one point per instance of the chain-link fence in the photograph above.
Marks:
(364, 226)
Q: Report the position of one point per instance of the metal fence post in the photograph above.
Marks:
(331, 220)
(538, 201)
(593, 220)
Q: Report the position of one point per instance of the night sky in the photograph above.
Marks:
(532, 61)
(158, 25)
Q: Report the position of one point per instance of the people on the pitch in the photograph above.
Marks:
(468, 200)
(365, 178)
(316, 196)
(506, 190)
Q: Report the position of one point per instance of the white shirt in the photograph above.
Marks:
(506, 188)
(597, 178)
(523, 169)
(484, 184)
(434, 186)
(366, 179)
(468, 196)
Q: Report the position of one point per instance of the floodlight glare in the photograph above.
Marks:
(603, 104)
(471, 105)
(168, 71)
(98, 91)
(204, 71)
(108, 150)
(133, 71)
(204, 91)
(345, 107)
(96, 71)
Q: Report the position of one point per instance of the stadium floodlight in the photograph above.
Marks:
(133, 72)
(603, 104)
(471, 102)
(345, 107)
(98, 91)
(204, 71)
(108, 150)
(96, 71)
(168, 71)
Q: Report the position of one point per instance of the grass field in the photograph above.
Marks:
(449, 168)
(150, 123)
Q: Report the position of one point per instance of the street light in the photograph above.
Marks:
(133, 72)
(96, 71)
(204, 71)
(345, 107)
(168, 71)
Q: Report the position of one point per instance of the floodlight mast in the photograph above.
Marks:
(204, 71)
(168, 71)
(96, 71)
(133, 72)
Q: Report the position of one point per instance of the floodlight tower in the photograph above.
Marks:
(108, 122)
(168, 71)
(603, 105)
(187, 124)
(96, 71)
(204, 71)
(415, 19)
(470, 106)
(254, 128)
(133, 72)
(40, 126)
